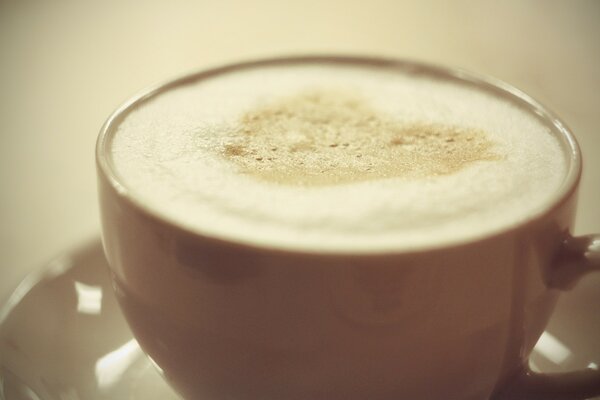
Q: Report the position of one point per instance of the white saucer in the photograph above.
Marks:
(62, 336)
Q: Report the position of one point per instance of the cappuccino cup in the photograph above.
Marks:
(323, 228)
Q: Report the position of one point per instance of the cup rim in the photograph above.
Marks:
(567, 140)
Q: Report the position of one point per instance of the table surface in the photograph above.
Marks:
(65, 65)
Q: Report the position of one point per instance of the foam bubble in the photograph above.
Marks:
(337, 157)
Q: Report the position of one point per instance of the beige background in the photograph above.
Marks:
(65, 65)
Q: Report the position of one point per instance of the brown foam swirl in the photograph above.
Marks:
(331, 137)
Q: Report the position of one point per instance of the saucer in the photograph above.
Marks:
(63, 337)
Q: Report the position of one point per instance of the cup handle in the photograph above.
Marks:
(579, 256)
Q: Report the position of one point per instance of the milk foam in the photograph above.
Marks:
(194, 155)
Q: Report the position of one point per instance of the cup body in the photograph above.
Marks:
(228, 320)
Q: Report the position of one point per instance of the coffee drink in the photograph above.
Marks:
(337, 157)
(341, 228)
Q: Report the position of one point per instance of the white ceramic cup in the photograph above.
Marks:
(229, 320)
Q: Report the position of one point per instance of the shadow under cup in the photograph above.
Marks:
(231, 320)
